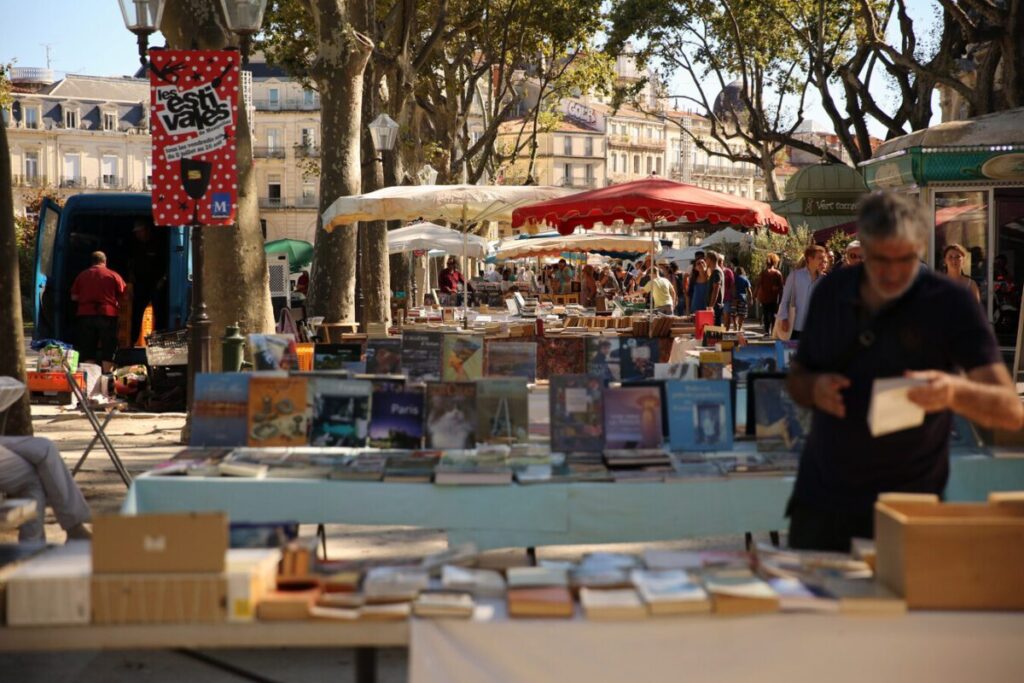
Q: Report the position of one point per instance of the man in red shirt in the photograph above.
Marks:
(450, 281)
(98, 292)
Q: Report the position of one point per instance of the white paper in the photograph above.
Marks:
(890, 410)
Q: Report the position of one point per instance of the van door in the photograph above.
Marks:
(179, 267)
(44, 300)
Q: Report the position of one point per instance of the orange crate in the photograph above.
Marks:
(53, 381)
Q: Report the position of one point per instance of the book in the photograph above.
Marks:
(632, 417)
(780, 424)
(279, 412)
(502, 410)
(444, 604)
(577, 413)
(546, 602)
(603, 358)
(510, 359)
(416, 467)
(274, 351)
(534, 577)
(638, 356)
(421, 355)
(738, 591)
(220, 410)
(394, 584)
(715, 364)
(396, 416)
(620, 604)
(485, 583)
(637, 457)
(341, 412)
(753, 358)
(863, 596)
(451, 415)
(597, 576)
(795, 596)
(395, 611)
(467, 467)
(384, 356)
(712, 334)
(228, 468)
(785, 349)
(336, 356)
(463, 357)
(688, 368)
(287, 605)
(890, 409)
(362, 467)
(700, 415)
(670, 591)
(560, 356)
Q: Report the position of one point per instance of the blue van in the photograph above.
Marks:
(155, 260)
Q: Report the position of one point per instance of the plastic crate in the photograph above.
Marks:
(167, 348)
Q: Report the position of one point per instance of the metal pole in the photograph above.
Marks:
(199, 352)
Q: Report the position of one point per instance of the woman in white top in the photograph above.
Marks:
(953, 256)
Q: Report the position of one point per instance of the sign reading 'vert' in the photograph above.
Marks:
(194, 96)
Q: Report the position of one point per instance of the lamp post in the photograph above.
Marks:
(384, 135)
(244, 18)
(142, 17)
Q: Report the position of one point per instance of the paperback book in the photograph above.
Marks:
(279, 411)
(384, 356)
(421, 355)
(220, 410)
(415, 467)
(577, 409)
(560, 356)
(753, 358)
(603, 358)
(785, 349)
(503, 410)
(700, 415)
(688, 368)
(715, 364)
(274, 352)
(467, 467)
(781, 425)
(341, 412)
(396, 416)
(463, 357)
(639, 356)
(451, 415)
(670, 591)
(336, 356)
(632, 417)
(510, 359)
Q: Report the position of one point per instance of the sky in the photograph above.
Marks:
(89, 37)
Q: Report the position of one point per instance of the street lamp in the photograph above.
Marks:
(427, 175)
(142, 17)
(383, 135)
(244, 18)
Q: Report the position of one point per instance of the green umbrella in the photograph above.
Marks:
(300, 253)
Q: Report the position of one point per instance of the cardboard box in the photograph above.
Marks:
(251, 574)
(191, 542)
(953, 555)
(159, 598)
(52, 588)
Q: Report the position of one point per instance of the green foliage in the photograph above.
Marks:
(838, 241)
(789, 247)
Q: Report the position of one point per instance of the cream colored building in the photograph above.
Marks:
(690, 163)
(77, 134)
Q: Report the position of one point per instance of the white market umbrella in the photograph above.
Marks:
(431, 237)
(726, 236)
(554, 246)
(684, 255)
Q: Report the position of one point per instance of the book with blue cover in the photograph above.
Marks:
(781, 424)
(699, 415)
(753, 358)
(632, 417)
(785, 349)
(421, 355)
(336, 356)
(603, 358)
(341, 412)
(638, 356)
(396, 416)
(220, 409)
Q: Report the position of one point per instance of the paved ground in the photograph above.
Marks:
(146, 439)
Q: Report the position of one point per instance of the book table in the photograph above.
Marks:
(528, 516)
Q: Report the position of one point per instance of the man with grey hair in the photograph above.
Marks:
(887, 317)
(853, 254)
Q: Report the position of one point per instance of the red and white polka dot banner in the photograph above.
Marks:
(194, 109)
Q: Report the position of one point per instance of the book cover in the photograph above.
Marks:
(469, 467)
(551, 601)
(451, 415)
(753, 358)
(639, 356)
(560, 356)
(699, 415)
(688, 368)
(510, 359)
(396, 416)
(414, 467)
(502, 410)
(577, 409)
(463, 357)
(713, 364)
(341, 412)
(785, 349)
(603, 358)
(274, 351)
(781, 425)
(384, 356)
(421, 355)
(620, 604)
(712, 335)
(278, 410)
(336, 356)
(220, 411)
(670, 591)
(632, 417)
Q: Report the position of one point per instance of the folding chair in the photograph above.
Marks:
(97, 427)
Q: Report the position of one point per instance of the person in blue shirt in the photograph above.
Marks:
(741, 297)
(797, 291)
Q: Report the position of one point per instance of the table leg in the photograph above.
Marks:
(531, 555)
(366, 665)
(215, 663)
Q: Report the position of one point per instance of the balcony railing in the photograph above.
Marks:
(287, 104)
(584, 183)
(307, 202)
(307, 151)
(271, 202)
(30, 180)
(275, 152)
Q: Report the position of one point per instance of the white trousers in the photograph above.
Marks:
(32, 467)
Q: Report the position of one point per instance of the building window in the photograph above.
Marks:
(71, 118)
(274, 98)
(650, 165)
(588, 174)
(274, 190)
(109, 120)
(108, 171)
(308, 136)
(615, 163)
(147, 172)
(657, 165)
(567, 145)
(30, 116)
(273, 138)
(588, 147)
(72, 170)
(308, 194)
(636, 164)
(31, 165)
(308, 99)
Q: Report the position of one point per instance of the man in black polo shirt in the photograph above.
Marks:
(887, 317)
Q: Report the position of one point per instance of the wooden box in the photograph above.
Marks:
(952, 555)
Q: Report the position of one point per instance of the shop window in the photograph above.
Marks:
(962, 218)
